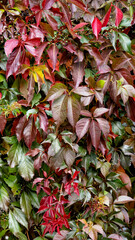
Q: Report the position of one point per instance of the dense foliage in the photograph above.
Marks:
(67, 119)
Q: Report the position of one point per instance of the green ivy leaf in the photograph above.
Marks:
(4, 199)
(13, 224)
(21, 236)
(25, 204)
(125, 42)
(20, 217)
(26, 168)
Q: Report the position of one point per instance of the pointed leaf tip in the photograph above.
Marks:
(96, 26)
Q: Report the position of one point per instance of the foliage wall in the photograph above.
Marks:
(67, 119)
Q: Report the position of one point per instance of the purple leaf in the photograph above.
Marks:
(78, 73)
(59, 109)
(82, 127)
(73, 110)
(20, 127)
(43, 121)
(95, 133)
(53, 52)
(104, 126)
(13, 62)
(100, 111)
(29, 133)
(83, 91)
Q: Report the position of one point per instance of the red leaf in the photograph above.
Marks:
(106, 18)
(29, 132)
(119, 16)
(0, 95)
(10, 45)
(47, 4)
(20, 127)
(53, 52)
(53, 23)
(13, 62)
(3, 122)
(95, 133)
(43, 121)
(39, 52)
(31, 49)
(32, 152)
(33, 42)
(37, 180)
(82, 127)
(80, 25)
(66, 13)
(96, 26)
(78, 73)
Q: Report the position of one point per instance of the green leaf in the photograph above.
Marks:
(13, 224)
(21, 236)
(4, 199)
(20, 217)
(10, 140)
(2, 78)
(26, 167)
(36, 99)
(54, 148)
(25, 204)
(2, 233)
(105, 168)
(125, 42)
(12, 182)
(117, 128)
(34, 199)
(14, 155)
